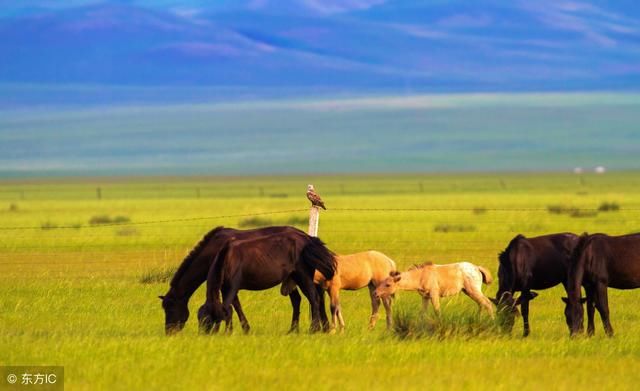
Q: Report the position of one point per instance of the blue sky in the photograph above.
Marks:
(335, 44)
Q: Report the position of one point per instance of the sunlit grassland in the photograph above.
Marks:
(71, 296)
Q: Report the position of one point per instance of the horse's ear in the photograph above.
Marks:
(583, 300)
(161, 297)
(394, 273)
(565, 299)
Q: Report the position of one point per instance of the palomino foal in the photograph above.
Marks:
(436, 281)
(355, 271)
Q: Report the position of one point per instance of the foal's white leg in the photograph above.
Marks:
(435, 300)
(473, 289)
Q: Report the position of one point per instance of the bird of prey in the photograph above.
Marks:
(314, 197)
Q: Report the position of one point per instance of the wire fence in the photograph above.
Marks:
(388, 229)
(289, 211)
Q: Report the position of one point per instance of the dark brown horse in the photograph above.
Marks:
(195, 267)
(598, 262)
(540, 262)
(264, 262)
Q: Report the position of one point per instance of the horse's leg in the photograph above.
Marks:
(476, 295)
(243, 319)
(524, 308)
(324, 320)
(375, 307)
(205, 320)
(340, 318)
(591, 309)
(435, 302)
(387, 309)
(334, 296)
(305, 282)
(602, 305)
(229, 296)
(295, 298)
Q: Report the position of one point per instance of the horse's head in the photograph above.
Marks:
(573, 314)
(388, 286)
(176, 313)
(507, 307)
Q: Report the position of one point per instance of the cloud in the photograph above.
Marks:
(257, 4)
(339, 6)
(595, 24)
(466, 21)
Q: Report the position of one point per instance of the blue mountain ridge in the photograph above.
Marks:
(441, 45)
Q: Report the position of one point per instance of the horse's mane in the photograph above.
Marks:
(421, 266)
(508, 271)
(583, 240)
(188, 260)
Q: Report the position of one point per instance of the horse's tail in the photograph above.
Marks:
(319, 257)
(486, 275)
(215, 280)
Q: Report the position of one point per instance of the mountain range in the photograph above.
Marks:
(332, 45)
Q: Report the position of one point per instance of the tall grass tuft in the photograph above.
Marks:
(609, 207)
(255, 222)
(48, 225)
(478, 210)
(415, 324)
(571, 211)
(297, 220)
(158, 275)
(106, 219)
(454, 228)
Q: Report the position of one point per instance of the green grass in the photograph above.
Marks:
(85, 296)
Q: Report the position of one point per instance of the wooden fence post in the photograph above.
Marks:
(314, 218)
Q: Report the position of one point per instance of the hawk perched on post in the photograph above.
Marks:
(314, 197)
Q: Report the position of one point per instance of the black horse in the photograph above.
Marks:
(195, 267)
(262, 263)
(531, 263)
(600, 261)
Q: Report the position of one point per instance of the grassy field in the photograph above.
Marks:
(70, 291)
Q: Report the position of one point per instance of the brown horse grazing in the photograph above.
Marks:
(540, 262)
(600, 261)
(436, 281)
(195, 267)
(355, 271)
(264, 262)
